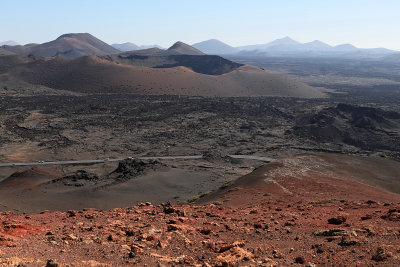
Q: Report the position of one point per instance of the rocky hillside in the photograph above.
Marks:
(68, 45)
(364, 127)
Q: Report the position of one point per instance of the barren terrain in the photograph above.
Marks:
(283, 213)
(330, 197)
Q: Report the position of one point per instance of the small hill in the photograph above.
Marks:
(181, 48)
(27, 179)
(98, 75)
(126, 47)
(68, 45)
(10, 61)
(315, 177)
(180, 54)
(158, 58)
(215, 47)
(4, 52)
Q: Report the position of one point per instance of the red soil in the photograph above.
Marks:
(267, 218)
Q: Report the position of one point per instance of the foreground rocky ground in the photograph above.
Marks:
(308, 209)
(274, 233)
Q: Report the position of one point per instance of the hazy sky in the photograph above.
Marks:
(364, 23)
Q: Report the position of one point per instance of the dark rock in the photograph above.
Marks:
(51, 263)
(348, 241)
(337, 220)
(381, 254)
(299, 260)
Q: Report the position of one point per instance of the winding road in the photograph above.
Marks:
(96, 161)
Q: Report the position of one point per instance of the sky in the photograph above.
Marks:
(363, 23)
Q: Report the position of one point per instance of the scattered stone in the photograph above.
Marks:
(257, 225)
(331, 232)
(186, 260)
(161, 244)
(51, 263)
(137, 250)
(172, 222)
(366, 217)
(299, 260)
(70, 237)
(348, 241)
(268, 262)
(180, 213)
(112, 237)
(381, 254)
(71, 213)
(337, 220)
(172, 227)
(226, 247)
(130, 232)
(169, 210)
(289, 223)
(205, 231)
(277, 254)
(392, 215)
(131, 255)
(233, 256)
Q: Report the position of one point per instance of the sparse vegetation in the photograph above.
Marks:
(226, 184)
(236, 188)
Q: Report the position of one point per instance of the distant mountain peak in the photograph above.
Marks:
(182, 48)
(317, 45)
(282, 42)
(74, 35)
(215, 47)
(9, 43)
(178, 44)
(345, 47)
(286, 40)
(316, 42)
(124, 47)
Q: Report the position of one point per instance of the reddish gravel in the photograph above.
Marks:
(275, 233)
(318, 221)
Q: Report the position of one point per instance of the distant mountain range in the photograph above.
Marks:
(80, 44)
(132, 47)
(289, 47)
(11, 43)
